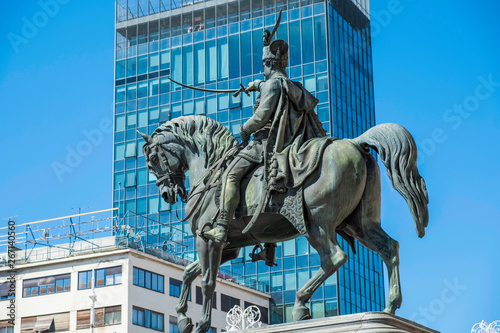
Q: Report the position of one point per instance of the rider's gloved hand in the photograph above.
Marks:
(245, 136)
(254, 86)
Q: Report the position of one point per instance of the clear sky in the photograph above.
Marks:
(436, 72)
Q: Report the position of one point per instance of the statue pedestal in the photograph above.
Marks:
(367, 322)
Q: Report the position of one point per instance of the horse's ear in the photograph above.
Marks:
(146, 137)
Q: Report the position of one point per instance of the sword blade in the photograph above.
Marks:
(275, 27)
(206, 90)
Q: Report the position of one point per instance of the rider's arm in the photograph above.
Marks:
(254, 85)
(270, 95)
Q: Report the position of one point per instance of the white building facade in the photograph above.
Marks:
(134, 292)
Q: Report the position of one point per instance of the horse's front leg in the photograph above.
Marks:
(184, 323)
(210, 258)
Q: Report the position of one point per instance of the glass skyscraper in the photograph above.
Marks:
(218, 45)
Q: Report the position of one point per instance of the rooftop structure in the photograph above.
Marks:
(59, 266)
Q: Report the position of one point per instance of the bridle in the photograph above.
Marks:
(172, 179)
(169, 176)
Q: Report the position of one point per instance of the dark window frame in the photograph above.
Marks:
(199, 297)
(263, 311)
(136, 272)
(4, 291)
(88, 283)
(6, 329)
(111, 309)
(174, 287)
(145, 321)
(49, 284)
(105, 284)
(228, 302)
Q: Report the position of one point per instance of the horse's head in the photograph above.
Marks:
(175, 142)
(163, 159)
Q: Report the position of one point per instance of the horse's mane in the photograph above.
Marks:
(203, 133)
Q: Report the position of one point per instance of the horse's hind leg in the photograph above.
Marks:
(332, 257)
(364, 225)
(373, 237)
(184, 323)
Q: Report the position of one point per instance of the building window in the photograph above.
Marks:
(111, 315)
(6, 327)
(148, 280)
(108, 276)
(4, 291)
(46, 323)
(47, 285)
(264, 312)
(228, 302)
(172, 325)
(84, 280)
(199, 297)
(147, 318)
(175, 287)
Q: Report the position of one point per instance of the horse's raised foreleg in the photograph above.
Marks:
(210, 258)
(332, 257)
(184, 323)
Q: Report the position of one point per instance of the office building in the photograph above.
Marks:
(59, 269)
(218, 45)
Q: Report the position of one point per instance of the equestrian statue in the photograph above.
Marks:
(290, 180)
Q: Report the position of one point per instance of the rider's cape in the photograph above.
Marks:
(296, 138)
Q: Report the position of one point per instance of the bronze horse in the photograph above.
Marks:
(341, 196)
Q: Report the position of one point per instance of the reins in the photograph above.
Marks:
(213, 171)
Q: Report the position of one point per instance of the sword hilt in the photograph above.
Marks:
(242, 89)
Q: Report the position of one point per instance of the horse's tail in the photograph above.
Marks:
(398, 152)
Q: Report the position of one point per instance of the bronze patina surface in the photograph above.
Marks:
(341, 196)
(302, 183)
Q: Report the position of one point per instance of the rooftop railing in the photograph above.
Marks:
(82, 234)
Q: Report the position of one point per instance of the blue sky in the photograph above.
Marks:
(436, 72)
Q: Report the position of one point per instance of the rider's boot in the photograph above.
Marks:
(268, 254)
(219, 233)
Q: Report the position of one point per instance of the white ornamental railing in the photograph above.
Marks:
(483, 327)
(238, 320)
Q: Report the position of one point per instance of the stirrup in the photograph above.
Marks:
(262, 255)
(200, 232)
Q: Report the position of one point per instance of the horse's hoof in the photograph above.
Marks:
(300, 313)
(393, 305)
(185, 325)
(390, 309)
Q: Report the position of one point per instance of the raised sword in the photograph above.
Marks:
(235, 92)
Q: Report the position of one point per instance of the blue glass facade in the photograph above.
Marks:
(218, 45)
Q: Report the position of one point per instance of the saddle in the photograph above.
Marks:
(289, 203)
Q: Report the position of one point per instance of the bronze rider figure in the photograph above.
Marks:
(277, 94)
